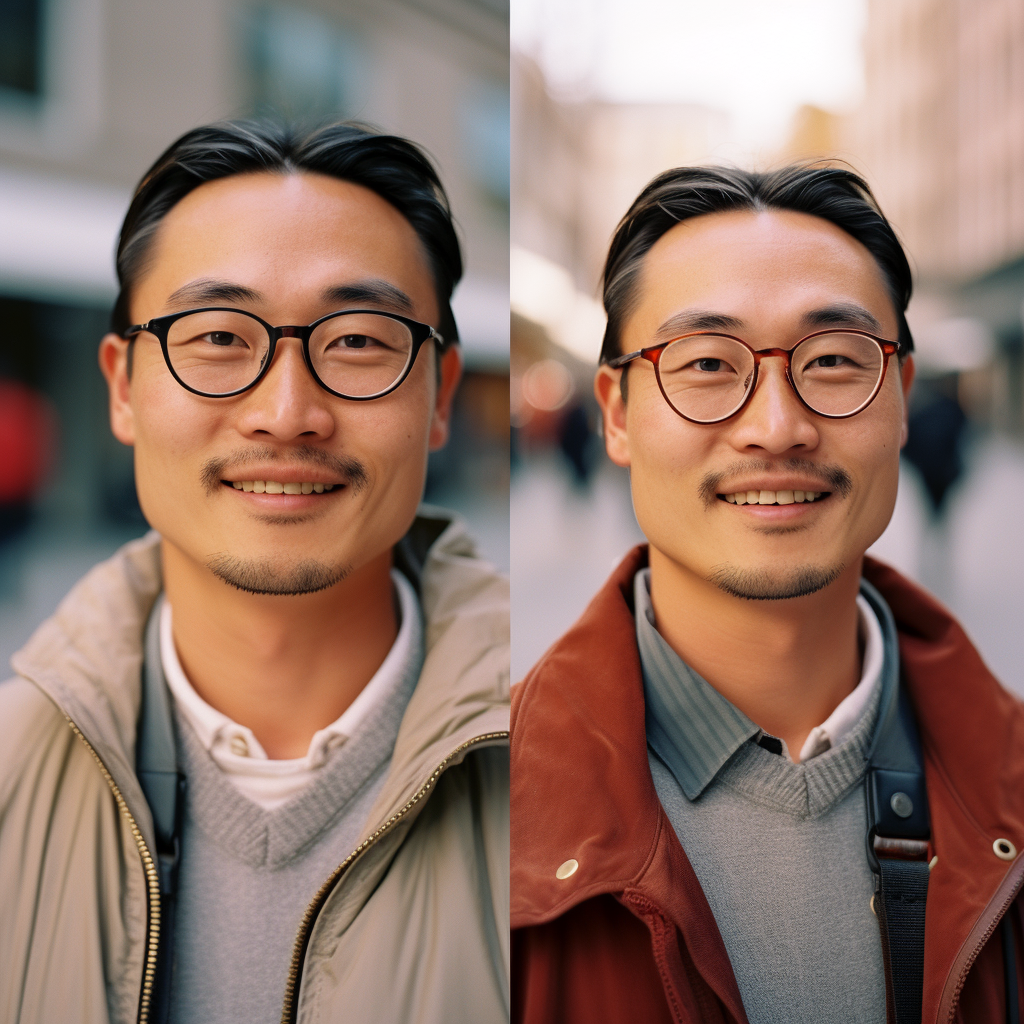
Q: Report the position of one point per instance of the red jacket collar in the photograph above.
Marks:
(582, 789)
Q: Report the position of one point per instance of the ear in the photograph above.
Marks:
(451, 374)
(114, 365)
(608, 392)
(907, 371)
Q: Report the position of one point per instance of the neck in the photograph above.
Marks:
(785, 664)
(284, 666)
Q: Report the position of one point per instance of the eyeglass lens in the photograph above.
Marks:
(706, 377)
(356, 354)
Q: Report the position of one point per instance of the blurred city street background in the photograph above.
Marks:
(91, 92)
(923, 97)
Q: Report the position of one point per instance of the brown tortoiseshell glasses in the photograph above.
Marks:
(707, 377)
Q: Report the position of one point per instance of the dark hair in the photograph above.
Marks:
(393, 167)
(835, 194)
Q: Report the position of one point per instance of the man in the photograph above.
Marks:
(763, 778)
(255, 767)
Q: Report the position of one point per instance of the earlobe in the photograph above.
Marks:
(608, 392)
(113, 360)
(450, 375)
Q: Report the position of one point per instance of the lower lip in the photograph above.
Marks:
(287, 502)
(778, 513)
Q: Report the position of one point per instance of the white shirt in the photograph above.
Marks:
(235, 749)
(846, 715)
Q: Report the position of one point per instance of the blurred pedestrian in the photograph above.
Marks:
(27, 444)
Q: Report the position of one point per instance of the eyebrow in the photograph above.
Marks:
(373, 291)
(836, 314)
(843, 314)
(376, 292)
(696, 320)
(208, 290)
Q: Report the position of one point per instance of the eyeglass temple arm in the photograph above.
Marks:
(622, 360)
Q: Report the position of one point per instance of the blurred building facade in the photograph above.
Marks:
(939, 136)
(92, 91)
(577, 165)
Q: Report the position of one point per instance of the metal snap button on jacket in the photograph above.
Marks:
(567, 869)
(1004, 849)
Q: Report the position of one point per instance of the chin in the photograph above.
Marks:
(775, 583)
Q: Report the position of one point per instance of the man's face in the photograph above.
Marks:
(278, 245)
(768, 278)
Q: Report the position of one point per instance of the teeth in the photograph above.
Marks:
(771, 497)
(276, 487)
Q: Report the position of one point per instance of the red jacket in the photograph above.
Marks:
(629, 936)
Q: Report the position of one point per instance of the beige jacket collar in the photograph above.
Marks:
(87, 658)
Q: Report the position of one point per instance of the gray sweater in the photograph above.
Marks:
(248, 874)
(778, 847)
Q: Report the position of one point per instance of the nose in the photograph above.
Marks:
(774, 420)
(288, 403)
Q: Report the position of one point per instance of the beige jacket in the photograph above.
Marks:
(411, 928)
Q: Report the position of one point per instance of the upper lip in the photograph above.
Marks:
(283, 475)
(786, 483)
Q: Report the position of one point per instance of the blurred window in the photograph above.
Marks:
(21, 46)
(303, 65)
(486, 131)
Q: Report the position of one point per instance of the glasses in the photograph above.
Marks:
(708, 377)
(219, 352)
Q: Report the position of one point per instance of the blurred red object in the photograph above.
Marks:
(28, 434)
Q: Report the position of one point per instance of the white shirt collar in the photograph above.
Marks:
(235, 748)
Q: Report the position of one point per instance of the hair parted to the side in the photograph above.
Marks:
(393, 167)
(835, 194)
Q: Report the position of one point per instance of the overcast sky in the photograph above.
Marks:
(756, 59)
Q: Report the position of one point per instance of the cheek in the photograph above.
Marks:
(667, 455)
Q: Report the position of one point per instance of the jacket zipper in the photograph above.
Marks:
(302, 939)
(152, 882)
(980, 945)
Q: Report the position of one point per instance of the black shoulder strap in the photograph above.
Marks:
(897, 841)
(156, 763)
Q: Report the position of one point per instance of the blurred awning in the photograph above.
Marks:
(544, 293)
(57, 237)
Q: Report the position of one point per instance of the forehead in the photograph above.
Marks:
(754, 265)
(281, 233)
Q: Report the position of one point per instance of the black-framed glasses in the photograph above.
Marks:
(221, 351)
(708, 377)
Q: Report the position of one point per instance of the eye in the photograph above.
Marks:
(355, 341)
(222, 339)
(827, 362)
(709, 365)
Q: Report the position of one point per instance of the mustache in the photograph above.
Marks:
(350, 469)
(834, 478)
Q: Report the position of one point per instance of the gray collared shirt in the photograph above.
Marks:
(690, 725)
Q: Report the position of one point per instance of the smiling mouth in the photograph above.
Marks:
(773, 497)
(277, 487)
